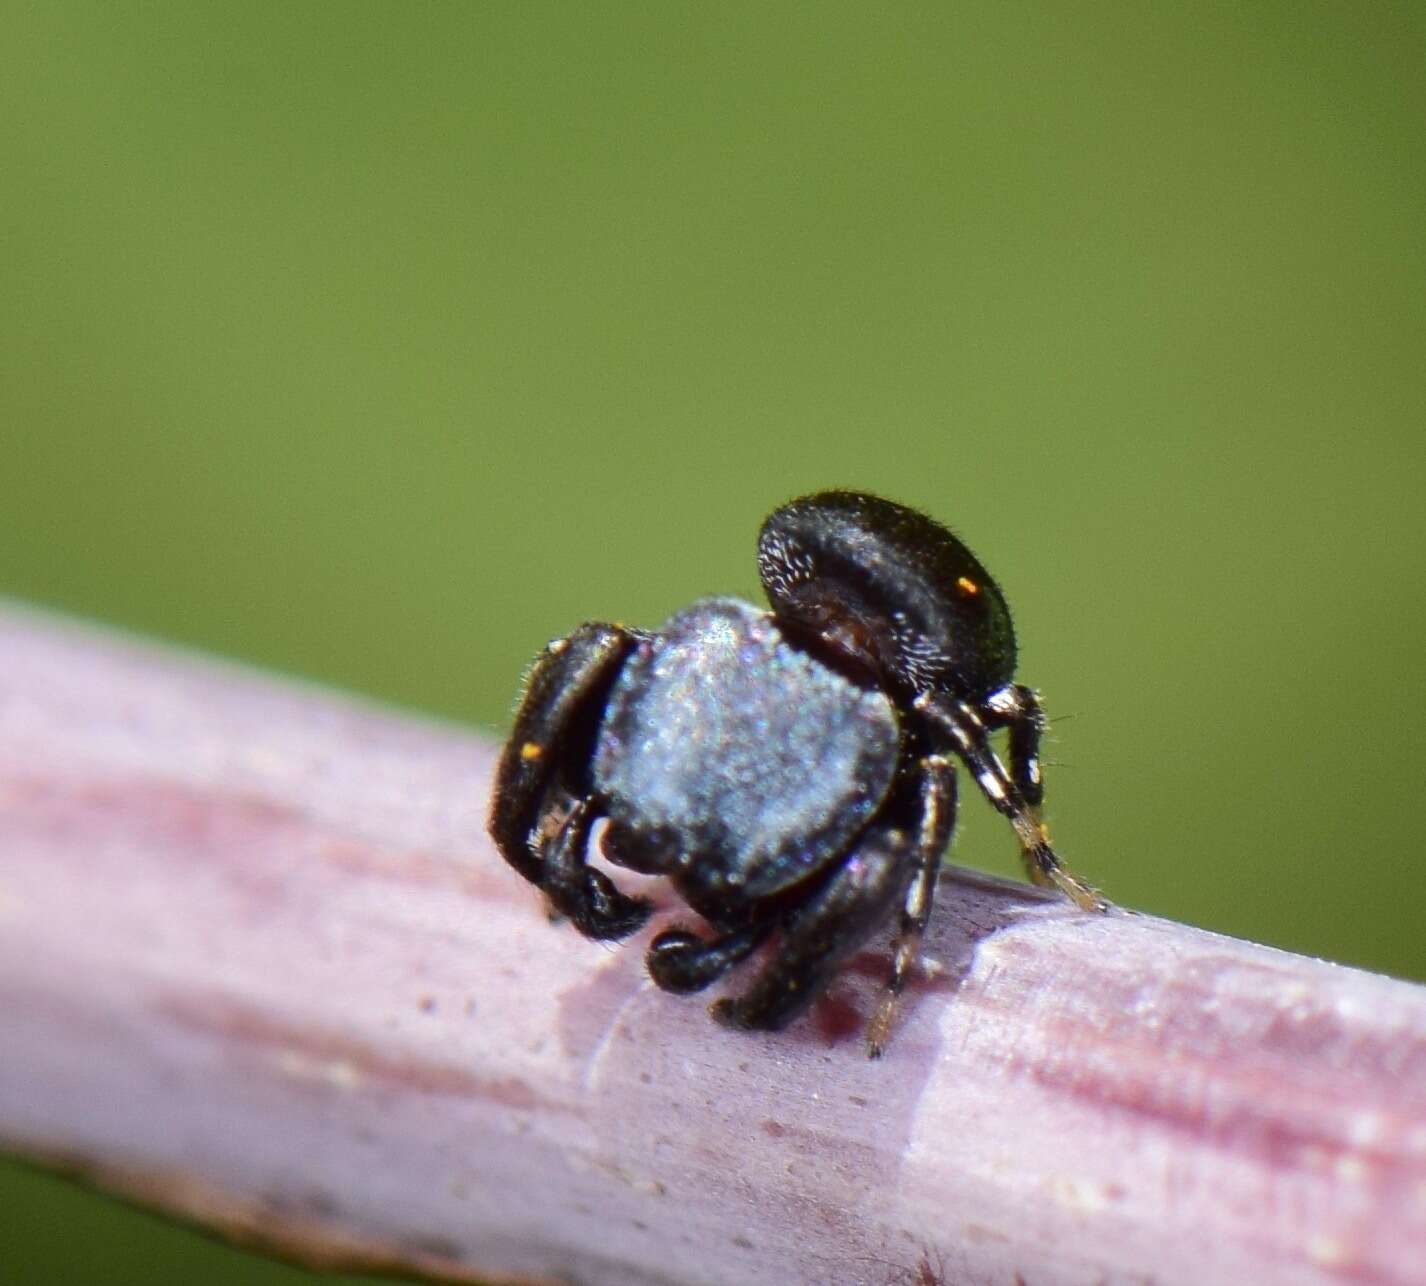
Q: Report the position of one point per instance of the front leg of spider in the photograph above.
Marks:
(966, 731)
(937, 823)
(1018, 709)
(540, 813)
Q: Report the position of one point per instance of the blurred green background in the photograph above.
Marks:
(380, 343)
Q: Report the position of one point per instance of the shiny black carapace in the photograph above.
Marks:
(792, 772)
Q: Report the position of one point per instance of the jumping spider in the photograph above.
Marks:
(790, 771)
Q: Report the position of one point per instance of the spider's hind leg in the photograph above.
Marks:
(825, 930)
(680, 961)
(587, 896)
(538, 818)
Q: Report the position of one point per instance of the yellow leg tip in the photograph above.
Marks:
(1084, 897)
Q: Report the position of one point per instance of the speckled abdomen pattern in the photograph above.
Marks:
(741, 764)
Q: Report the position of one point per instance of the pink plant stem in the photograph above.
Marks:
(259, 966)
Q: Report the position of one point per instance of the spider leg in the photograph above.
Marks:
(967, 733)
(1019, 709)
(587, 896)
(681, 961)
(538, 819)
(825, 930)
(564, 694)
(938, 819)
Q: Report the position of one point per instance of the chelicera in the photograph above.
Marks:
(792, 772)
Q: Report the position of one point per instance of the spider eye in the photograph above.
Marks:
(887, 590)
